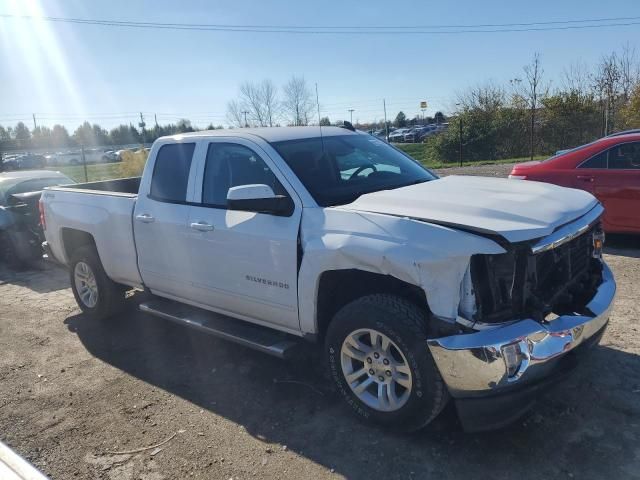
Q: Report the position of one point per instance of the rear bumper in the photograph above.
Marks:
(474, 365)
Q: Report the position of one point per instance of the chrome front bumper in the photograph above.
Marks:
(474, 364)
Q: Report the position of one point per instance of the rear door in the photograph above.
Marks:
(585, 174)
(243, 263)
(160, 220)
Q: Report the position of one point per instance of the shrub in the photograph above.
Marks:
(133, 163)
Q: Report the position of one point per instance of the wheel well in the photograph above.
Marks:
(73, 239)
(340, 287)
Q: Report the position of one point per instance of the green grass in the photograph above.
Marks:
(100, 171)
(418, 151)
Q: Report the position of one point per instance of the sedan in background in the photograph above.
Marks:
(608, 168)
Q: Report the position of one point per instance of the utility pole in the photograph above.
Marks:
(155, 117)
(35, 125)
(84, 163)
(245, 118)
(142, 125)
(386, 125)
(459, 134)
(460, 137)
(351, 110)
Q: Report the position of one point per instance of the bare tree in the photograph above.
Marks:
(269, 94)
(260, 100)
(298, 101)
(576, 79)
(607, 84)
(251, 100)
(534, 91)
(234, 114)
(629, 71)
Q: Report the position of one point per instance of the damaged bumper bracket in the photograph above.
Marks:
(507, 361)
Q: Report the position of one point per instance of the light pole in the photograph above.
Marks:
(351, 110)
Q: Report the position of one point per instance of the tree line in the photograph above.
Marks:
(21, 137)
(529, 116)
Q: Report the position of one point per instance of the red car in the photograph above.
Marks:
(608, 168)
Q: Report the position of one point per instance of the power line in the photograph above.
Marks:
(354, 30)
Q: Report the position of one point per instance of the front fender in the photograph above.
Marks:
(432, 257)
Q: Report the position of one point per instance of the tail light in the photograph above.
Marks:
(43, 222)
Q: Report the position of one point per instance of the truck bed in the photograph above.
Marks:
(104, 210)
(120, 186)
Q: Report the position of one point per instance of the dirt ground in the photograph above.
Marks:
(75, 394)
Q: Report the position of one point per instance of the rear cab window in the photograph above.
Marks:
(171, 172)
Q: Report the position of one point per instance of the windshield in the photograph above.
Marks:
(348, 166)
(11, 186)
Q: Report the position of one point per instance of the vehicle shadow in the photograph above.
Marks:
(40, 276)
(586, 428)
(625, 245)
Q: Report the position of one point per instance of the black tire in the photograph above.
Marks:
(110, 295)
(406, 325)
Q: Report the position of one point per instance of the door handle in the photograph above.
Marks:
(585, 178)
(202, 226)
(145, 218)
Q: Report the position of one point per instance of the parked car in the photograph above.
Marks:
(69, 158)
(418, 134)
(30, 161)
(624, 132)
(419, 288)
(9, 163)
(21, 236)
(608, 168)
(398, 135)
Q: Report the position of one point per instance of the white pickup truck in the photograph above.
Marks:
(419, 288)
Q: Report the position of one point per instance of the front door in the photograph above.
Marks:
(618, 187)
(244, 263)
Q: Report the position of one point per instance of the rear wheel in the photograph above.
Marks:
(379, 359)
(96, 294)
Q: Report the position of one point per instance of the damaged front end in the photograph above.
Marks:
(527, 312)
(522, 284)
(538, 280)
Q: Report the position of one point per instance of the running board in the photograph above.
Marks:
(263, 339)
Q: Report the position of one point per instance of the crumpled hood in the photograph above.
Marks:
(517, 210)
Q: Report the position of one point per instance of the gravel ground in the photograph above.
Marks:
(81, 399)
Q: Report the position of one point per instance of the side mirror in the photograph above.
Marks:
(259, 198)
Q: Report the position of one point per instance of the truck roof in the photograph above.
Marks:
(270, 134)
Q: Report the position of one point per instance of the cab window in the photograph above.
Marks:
(231, 165)
(171, 172)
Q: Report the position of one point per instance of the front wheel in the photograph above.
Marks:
(378, 357)
(96, 294)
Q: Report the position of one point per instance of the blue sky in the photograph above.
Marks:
(67, 72)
